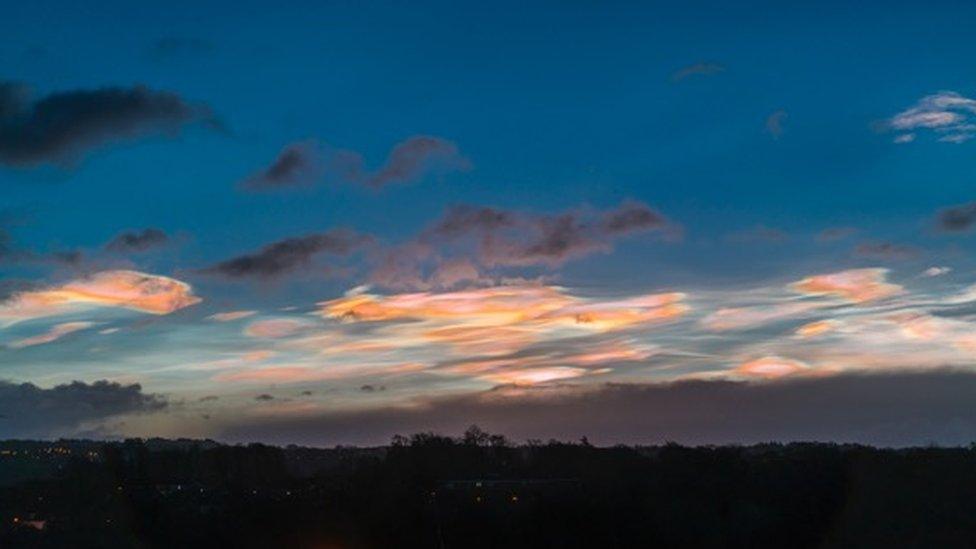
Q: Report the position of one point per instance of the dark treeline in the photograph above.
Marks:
(481, 491)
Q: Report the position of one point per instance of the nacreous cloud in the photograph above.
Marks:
(133, 290)
(947, 114)
(55, 333)
(63, 125)
(857, 285)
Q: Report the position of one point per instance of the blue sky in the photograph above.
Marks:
(758, 147)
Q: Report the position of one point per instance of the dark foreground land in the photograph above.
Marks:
(481, 491)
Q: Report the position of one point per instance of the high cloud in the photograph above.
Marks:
(774, 123)
(502, 334)
(949, 115)
(133, 290)
(857, 285)
(63, 125)
(697, 69)
(55, 333)
(230, 316)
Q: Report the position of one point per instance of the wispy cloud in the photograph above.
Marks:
(774, 123)
(949, 115)
(55, 333)
(697, 69)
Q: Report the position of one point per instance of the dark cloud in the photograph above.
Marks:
(31, 411)
(137, 241)
(697, 69)
(372, 388)
(464, 219)
(886, 251)
(298, 164)
(307, 163)
(413, 157)
(882, 409)
(957, 218)
(631, 216)
(289, 255)
(264, 397)
(517, 239)
(467, 237)
(63, 125)
(12, 286)
(209, 398)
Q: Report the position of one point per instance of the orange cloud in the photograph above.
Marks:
(132, 290)
(525, 368)
(814, 329)
(500, 322)
(857, 285)
(740, 318)
(611, 315)
(535, 375)
(56, 332)
(501, 305)
(231, 316)
(507, 305)
(274, 328)
(770, 367)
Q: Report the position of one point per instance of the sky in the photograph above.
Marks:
(330, 222)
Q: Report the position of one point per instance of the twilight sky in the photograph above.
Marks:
(331, 222)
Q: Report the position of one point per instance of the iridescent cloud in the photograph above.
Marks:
(857, 285)
(146, 293)
(53, 334)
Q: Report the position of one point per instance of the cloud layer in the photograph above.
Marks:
(888, 409)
